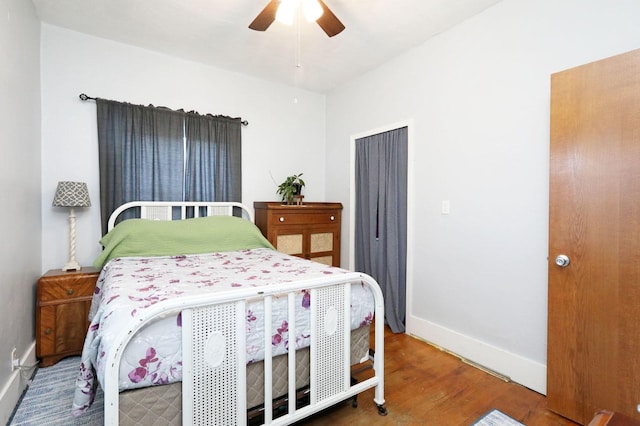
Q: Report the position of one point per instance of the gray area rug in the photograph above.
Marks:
(48, 398)
(496, 418)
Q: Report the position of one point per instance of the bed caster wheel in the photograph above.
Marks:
(382, 410)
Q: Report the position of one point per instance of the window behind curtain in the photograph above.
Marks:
(157, 154)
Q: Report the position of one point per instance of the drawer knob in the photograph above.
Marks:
(281, 219)
(47, 331)
(69, 292)
(333, 218)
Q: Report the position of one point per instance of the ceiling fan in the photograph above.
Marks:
(284, 10)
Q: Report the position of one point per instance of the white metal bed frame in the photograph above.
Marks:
(213, 341)
(163, 210)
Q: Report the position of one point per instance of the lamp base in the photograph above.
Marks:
(71, 265)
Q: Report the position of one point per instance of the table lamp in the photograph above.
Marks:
(72, 194)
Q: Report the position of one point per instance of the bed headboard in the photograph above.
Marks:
(178, 210)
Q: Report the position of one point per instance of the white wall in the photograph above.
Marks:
(479, 97)
(282, 138)
(20, 197)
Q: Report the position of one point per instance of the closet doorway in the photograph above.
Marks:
(380, 203)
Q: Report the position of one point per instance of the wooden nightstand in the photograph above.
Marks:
(62, 310)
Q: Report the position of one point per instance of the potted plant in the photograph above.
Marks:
(291, 187)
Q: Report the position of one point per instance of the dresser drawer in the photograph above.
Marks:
(306, 218)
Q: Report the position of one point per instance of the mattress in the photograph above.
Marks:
(128, 286)
(162, 405)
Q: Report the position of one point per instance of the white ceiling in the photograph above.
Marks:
(216, 32)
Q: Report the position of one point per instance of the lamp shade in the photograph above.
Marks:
(71, 194)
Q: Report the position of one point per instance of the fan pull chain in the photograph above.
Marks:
(297, 55)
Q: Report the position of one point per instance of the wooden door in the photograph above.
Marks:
(593, 357)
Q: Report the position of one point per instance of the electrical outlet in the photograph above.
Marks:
(15, 361)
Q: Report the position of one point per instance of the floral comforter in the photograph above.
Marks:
(127, 286)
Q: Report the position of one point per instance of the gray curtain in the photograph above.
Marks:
(381, 218)
(141, 154)
(214, 158)
(148, 153)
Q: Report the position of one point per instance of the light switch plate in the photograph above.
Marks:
(446, 207)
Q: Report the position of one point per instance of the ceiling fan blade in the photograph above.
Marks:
(329, 22)
(266, 17)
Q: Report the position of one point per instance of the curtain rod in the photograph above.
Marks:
(84, 97)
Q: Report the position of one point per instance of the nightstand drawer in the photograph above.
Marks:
(62, 328)
(66, 289)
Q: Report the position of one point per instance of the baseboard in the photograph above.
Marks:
(516, 368)
(14, 387)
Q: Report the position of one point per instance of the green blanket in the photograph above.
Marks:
(144, 237)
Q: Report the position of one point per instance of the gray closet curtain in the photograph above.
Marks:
(141, 154)
(381, 218)
(214, 158)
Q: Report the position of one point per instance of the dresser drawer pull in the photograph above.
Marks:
(333, 218)
(69, 292)
(281, 219)
(47, 331)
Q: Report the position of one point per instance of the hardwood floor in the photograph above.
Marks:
(426, 386)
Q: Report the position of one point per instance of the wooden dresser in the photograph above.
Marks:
(62, 310)
(310, 230)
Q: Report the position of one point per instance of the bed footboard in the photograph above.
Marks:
(214, 353)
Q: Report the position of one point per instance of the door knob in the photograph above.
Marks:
(562, 260)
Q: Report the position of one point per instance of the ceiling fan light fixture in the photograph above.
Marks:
(286, 11)
(311, 10)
